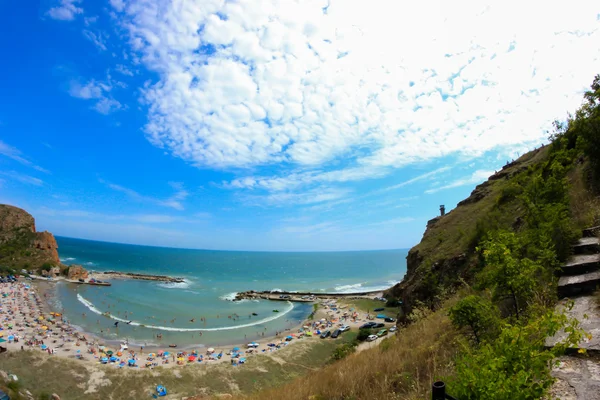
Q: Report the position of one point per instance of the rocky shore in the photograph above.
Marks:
(131, 275)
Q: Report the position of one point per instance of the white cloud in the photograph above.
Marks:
(175, 201)
(476, 178)
(15, 154)
(29, 180)
(382, 87)
(123, 70)
(66, 10)
(107, 105)
(119, 5)
(415, 179)
(393, 221)
(98, 91)
(312, 196)
(99, 39)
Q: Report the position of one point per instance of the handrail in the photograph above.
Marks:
(438, 391)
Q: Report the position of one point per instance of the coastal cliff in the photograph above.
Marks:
(446, 255)
(21, 246)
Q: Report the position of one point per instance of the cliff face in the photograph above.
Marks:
(446, 254)
(20, 245)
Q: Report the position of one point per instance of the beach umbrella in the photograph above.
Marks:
(2, 340)
(166, 354)
(191, 358)
(211, 350)
(11, 337)
(289, 337)
(113, 359)
(109, 352)
(45, 327)
(236, 349)
(101, 347)
(44, 347)
(131, 362)
(104, 360)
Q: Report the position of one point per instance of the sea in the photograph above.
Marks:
(200, 311)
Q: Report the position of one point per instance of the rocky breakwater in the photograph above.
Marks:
(21, 246)
(131, 275)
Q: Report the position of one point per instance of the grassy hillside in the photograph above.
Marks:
(480, 288)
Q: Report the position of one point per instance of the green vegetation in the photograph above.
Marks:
(485, 274)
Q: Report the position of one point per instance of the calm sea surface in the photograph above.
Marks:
(199, 311)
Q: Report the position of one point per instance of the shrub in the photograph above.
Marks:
(393, 303)
(344, 350)
(363, 334)
(477, 314)
(515, 366)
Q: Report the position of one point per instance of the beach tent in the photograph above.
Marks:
(161, 391)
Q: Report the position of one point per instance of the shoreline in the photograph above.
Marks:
(28, 305)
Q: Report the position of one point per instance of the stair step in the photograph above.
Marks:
(584, 305)
(581, 264)
(578, 284)
(587, 245)
(591, 232)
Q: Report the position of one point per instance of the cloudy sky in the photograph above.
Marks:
(275, 125)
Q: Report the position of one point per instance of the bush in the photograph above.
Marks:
(477, 314)
(363, 334)
(515, 366)
(344, 350)
(393, 303)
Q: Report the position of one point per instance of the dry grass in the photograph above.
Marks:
(402, 367)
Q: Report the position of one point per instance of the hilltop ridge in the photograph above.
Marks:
(446, 253)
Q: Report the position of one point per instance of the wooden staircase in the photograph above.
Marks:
(578, 375)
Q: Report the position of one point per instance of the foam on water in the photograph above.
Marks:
(228, 296)
(92, 308)
(175, 285)
(67, 259)
(359, 288)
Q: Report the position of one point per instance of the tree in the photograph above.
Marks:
(477, 314)
(509, 275)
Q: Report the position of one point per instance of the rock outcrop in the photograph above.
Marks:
(21, 246)
(46, 242)
(77, 272)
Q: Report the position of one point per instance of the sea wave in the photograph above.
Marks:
(359, 288)
(92, 308)
(228, 296)
(67, 259)
(89, 263)
(175, 285)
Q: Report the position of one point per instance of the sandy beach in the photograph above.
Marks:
(27, 322)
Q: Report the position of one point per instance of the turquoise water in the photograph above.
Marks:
(199, 311)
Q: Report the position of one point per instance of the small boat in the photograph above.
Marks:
(275, 310)
(255, 314)
(172, 345)
(379, 309)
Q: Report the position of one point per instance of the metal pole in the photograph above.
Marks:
(438, 391)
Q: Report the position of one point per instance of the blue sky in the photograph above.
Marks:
(274, 125)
